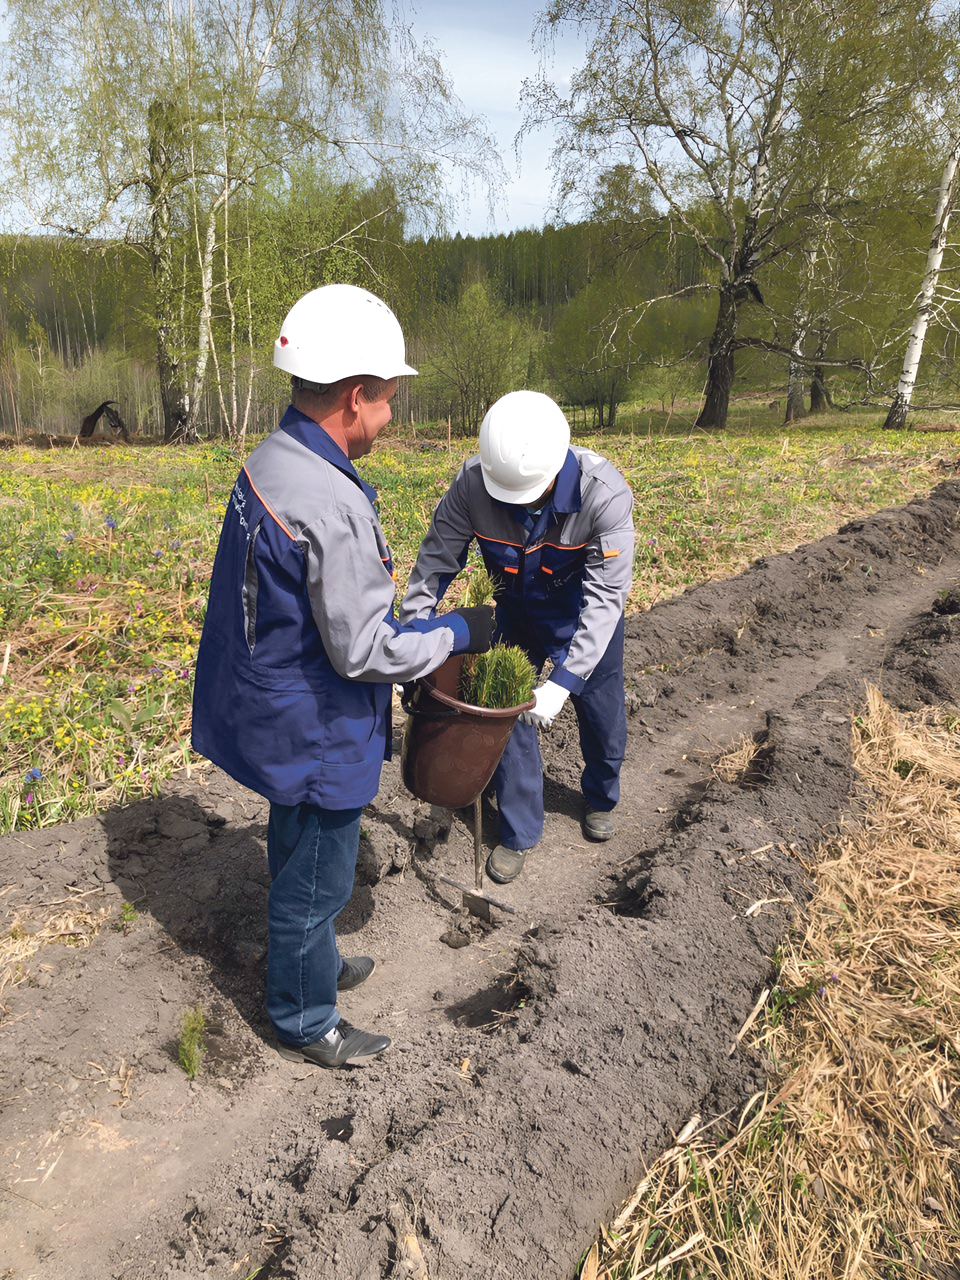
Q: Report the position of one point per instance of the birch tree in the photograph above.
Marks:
(145, 119)
(709, 102)
(897, 416)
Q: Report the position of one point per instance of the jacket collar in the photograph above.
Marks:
(313, 437)
(566, 494)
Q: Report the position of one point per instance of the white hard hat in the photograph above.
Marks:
(523, 441)
(338, 331)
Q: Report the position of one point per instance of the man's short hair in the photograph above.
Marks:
(323, 398)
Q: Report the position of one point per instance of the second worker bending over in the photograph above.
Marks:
(554, 525)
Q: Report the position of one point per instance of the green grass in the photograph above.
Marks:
(190, 1049)
(103, 622)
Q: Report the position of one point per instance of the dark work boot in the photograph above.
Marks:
(598, 824)
(345, 1046)
(505, 864)
(355, 971)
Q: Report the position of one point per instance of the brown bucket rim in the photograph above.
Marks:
(492, 712)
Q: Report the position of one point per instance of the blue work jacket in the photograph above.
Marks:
(300, 647)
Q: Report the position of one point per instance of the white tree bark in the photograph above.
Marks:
(897, 416)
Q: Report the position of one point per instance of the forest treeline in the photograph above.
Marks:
(750, 199)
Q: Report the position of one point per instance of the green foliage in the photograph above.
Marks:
(190, 1047)
(502, 677)
(128, 917)
(478, 351)
(479, 588)
(591, 355)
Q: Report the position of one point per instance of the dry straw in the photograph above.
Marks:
(28, 931)
(846, 1168)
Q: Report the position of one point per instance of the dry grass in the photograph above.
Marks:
(847, 1167)
(734, 765)
(27, 930)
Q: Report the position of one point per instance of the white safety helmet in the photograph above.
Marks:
(523, 441)
(339, 331)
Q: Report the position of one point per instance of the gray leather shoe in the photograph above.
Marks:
(355, 971)
(505, 864)
(598, 824)
(348, 1047)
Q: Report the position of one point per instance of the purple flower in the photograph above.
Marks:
(651, 542)
(158, 554)
(111, 523)
(69, 537)
(34, 775)
(28, 798)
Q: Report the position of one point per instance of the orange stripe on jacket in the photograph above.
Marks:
(268, 507)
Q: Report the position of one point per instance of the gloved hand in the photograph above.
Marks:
(479, 618)
(550, 698)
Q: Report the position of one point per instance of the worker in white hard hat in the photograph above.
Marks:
(300, 650)
(554, 525)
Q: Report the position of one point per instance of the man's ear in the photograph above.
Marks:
(354, 396)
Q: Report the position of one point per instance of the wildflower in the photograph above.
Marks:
(823, 991)
(651, 542)
(176, 544)
(34, 775)
(158, 554)
(28, 798)
(111, 523)
(69, 537)
(182, 675)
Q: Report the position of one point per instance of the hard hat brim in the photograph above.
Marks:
(517, 498)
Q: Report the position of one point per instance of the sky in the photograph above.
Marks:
(488, 52)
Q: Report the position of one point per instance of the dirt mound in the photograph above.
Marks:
(537, 1067)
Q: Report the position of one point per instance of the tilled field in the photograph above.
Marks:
(538, 1063)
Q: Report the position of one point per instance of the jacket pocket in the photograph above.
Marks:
(562, 566)
(248, 592)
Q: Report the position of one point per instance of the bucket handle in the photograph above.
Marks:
(441, 713)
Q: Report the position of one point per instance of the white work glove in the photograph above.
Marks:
(549, 700)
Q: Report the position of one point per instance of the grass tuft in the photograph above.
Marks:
(190, 1049)
(846, 1167)
(479, 588)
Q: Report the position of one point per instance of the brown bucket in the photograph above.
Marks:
(450, 748)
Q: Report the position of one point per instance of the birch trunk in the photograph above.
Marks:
(720, 368)
(795, 404)
(819, 396)
(897, 417)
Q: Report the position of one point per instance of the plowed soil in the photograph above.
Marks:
(539, 1062)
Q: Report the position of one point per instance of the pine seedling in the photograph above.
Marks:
(191, 1048)
(479, 589)
(502, 677)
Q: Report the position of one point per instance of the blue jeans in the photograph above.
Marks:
(602, 721)
(312, 854)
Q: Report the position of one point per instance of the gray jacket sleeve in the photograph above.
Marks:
(606, 584)
(442, 554)
(351, 596)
